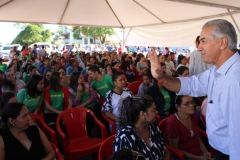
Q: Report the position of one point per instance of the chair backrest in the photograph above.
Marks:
(57, 152)
(75, 122)
(106, 149)
(51, 134)
(134, 87)
(202, 119)
(162, 126)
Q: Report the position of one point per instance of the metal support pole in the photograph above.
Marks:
(233, 20)
(123, 42)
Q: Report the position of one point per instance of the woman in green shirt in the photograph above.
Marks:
(56, 99)
(32, 95)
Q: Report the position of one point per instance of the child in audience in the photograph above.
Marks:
(46, 66)
(72, 67)
(54, 66)
(31, 70)
(114, 96)
(47, 74)
(147, 82)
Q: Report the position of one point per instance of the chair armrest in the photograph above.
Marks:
(175, 151)
(62, 135)
(203, 133)
(110, 122)
(103, 128)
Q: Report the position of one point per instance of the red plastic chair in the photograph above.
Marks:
(158, 118)
(106, 149)
(162, 126)
(111, 122)
(51, 134)
(57, 152)
(202, 119)
(134, 87)
(78, 143)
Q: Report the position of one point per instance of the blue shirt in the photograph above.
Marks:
(71, 69)
(222, 85)
(43, 69)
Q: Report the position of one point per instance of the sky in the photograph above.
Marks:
(8, 32)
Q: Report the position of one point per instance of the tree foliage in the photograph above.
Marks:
(58, 34)
(33, 33)
(100, 33)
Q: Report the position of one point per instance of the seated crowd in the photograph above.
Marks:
(49, 85)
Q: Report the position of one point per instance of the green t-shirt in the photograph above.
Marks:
(30, 102)
(57, 100)
(103, 87)
(26, 78)
(85, 95)
(167, 99)
(3, 67)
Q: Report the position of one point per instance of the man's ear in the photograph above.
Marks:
(223, 43)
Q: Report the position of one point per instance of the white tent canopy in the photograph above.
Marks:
(133, 14)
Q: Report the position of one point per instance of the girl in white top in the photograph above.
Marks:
(115, 96)
(182, 61)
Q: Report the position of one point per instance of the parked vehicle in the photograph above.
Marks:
(5, 51)
(40, 44)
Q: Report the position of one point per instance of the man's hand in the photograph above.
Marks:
(156, 68)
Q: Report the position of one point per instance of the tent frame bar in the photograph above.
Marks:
(233, 20)
(6, 3)
(207, 4)
(114, 14)
(64, 11)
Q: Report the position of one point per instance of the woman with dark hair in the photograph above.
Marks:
(182, 61)
(46, 76)
(138, 129)
(182, 72)
(111, 104)
(125, 66)
(32, 95)
(182, 130)
(7, 97)
(20, 140)
(104, 63)
(10, 83)
(83, 95)
(56, 99)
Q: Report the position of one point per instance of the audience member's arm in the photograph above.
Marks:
(111, 116)
(70, 103)
(2, 149)
(36, 111)
(50, 153)
(174, 142)
(166, 154)
(48, 106)
(203, 148)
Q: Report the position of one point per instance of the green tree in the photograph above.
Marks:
(32, 33)
(77, 32)
(58, 34)
(99, 32)
(47, 35)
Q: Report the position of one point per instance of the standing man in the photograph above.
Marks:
(218, 42)
(197, 65)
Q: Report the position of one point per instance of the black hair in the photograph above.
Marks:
(148, 73)
(55, 81)
(171, 53)
(180, 58)
(11, 64)
(71, 61)
(197, 39)
(103, 62)
(166, 56)
(180, 71)
(94, 69)
(74, 80)
(1, 72)
(116, 75)
(61, 67)
(32, 85)
(45, 59)
(127, 154)
(131, 107)
(30, 68)
(124, 57)
(6, 97)
(12, 110)
(114, 63)
(46, 83)
(53, 63)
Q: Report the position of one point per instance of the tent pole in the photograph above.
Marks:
(123, 40)
(233, 20)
